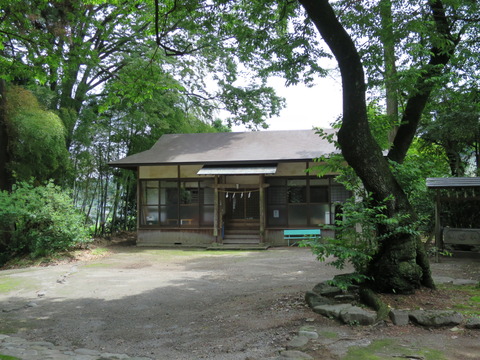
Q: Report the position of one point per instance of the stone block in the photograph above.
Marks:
(436, 318)
(313, 299)
(358, 316)
(399, 317)
(473, 323)
(327, 290)
(331, 311)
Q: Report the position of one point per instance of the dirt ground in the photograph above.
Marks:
(174, 304)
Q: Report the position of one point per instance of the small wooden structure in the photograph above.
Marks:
(457, 209)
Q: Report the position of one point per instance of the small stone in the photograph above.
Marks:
(41, 293)
(473, 323)
(308, 334)
(298, 342)
(399, 317)
(294, 355)
(31, 304)
(358, 316)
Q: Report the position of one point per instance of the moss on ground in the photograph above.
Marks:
(465, 297)
(328, 334)
(8, 284)
(390, 349)
(6, 357)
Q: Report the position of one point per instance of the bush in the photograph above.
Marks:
(39, 220)
(356, 240)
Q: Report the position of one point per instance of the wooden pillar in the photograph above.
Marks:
(216, 210)
(438, 231)
(262, 208)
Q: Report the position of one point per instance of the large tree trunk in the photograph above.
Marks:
(400, 264)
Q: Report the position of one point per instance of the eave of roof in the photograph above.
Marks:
(453, 182)
(238, 170)
(232, 148)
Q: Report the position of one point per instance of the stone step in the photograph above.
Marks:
(241, 232)
(242, 236)
(238, 247)
(241, 241)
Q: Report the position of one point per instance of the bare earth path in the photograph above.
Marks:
(171, 304)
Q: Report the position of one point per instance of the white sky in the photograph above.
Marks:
(317, 106)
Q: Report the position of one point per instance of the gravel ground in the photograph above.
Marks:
(173, 304)
(166, 304)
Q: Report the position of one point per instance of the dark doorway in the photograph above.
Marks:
(242, 222)
(243, 205)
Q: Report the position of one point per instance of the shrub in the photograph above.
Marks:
(356, 240)
(40, 220)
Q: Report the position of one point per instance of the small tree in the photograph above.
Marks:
(42, 220)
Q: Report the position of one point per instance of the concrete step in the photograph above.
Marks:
(243, 247)
(241, 241)
(242, 236)
(241, 232)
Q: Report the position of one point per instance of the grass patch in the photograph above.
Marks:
(6, 357)
(97, 265)
(328, 334)
(100, 251)
(8, 284)
(466, 298)
(389, 349)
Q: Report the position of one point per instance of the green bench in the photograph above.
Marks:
(300, 234)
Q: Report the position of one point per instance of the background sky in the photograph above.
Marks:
(317, 106)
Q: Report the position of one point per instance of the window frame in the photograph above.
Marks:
(309, 206)
(180, 206)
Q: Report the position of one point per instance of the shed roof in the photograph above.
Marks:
(236, 147)
(453, 182)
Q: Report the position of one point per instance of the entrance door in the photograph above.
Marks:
(243, 206)
(242, 222)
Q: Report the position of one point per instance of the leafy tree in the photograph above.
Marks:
(89, 43)
(400, 263)
(5, 176)
(36, 138)
(453, 124)
(125, 127)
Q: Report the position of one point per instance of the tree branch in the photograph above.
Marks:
(417, 101)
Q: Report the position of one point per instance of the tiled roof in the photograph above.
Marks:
(237, 147)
